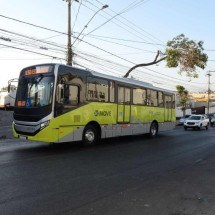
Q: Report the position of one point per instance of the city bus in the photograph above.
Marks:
(8, 94)
(59, 103)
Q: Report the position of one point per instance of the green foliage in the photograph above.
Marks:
(187, 54)
(184, 96)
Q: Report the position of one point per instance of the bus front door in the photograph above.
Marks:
(167, 108)
(124, 105)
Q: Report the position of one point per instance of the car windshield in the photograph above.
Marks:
(195, 117)
(35, 91)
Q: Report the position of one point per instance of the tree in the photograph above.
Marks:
(183, 53)
(184, 97)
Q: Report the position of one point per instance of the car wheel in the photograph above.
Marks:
(90, 135)
(200, 127)
(153, 129)
(185, 128)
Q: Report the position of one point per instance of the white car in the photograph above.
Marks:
(196, 121)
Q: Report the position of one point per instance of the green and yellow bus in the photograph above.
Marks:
(58, 103)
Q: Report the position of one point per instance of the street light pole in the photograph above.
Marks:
(69, 45)
(102, 8)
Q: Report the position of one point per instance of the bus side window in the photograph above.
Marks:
(173, 101)
(160, 99)
(121, 97)
(67, 96)
(112, 91)
(97, 89)
(139, 96)
(71, 95)
(148, 98)
(127, 96)
(154, 98)
(124, 95)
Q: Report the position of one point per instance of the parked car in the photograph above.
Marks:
(212, 121)
(183, 119)
(210, 115)
(196, 121)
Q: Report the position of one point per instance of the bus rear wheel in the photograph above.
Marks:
(153, 129)
(90, 135)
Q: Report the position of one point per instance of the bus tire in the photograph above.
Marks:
(90, 135)
(153, 129)
(200, 127)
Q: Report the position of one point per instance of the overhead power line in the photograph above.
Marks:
(64, 34)
(76, 17)
(127, 23)
(32, 52)
(32, 38)
(37, 26)
(126, 40)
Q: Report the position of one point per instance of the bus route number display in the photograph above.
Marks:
(36, 70)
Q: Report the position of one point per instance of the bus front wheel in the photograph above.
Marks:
(153, 129)
(90, 135)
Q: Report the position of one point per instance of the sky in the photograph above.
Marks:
(112, 40)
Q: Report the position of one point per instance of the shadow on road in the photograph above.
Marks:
(105, 144)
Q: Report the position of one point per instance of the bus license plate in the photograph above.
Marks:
(22, 137)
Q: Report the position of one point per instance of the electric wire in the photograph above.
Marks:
(76, 16)
(129, 29)
(54, 57)
(132, 26)
(64, 33)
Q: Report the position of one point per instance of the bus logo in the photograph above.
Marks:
(102, 113)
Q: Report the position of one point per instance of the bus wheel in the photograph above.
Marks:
(90, 135)
(153, 129)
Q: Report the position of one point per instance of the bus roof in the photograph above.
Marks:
(124, 80)
(127, 81)
(130, 81)
(113, 78)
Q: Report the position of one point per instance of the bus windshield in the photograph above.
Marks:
(35, 91)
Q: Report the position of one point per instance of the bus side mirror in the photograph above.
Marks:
(8, 88)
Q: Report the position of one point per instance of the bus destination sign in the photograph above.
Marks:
(36, 70)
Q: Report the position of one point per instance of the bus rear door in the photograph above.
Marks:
(124, 105)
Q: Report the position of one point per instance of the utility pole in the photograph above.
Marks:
(209, 88)
(69, 45)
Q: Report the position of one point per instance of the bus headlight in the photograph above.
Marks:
(44, 124)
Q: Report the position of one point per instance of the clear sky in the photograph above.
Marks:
(126, 33)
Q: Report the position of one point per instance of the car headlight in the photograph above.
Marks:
(44, 124)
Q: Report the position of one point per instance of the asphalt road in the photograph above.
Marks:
(172, 174)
